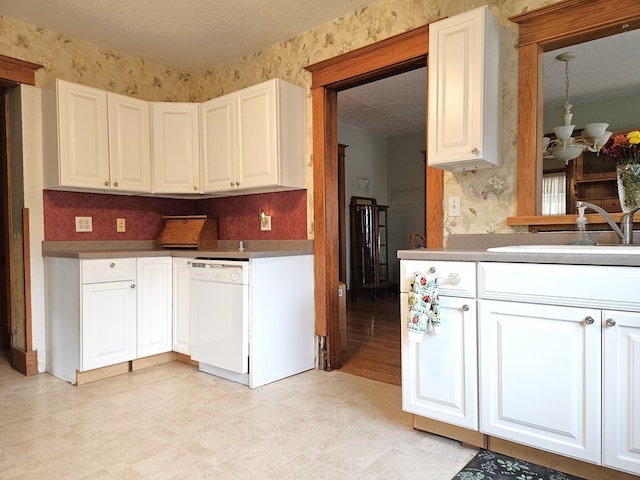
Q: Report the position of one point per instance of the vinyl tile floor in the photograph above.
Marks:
(173, 422)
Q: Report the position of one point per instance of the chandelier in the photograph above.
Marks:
(565, 146)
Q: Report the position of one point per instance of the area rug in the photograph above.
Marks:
(488, 465)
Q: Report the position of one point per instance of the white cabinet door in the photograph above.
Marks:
(175, 147)
(621, 374)
(257, 142)
(129, 143)
(181, 304)
(77, 138)
(440, 374)
(271, 136)
(218, 135)
(154, 306)
(540, 377)
(465, 91)
(108, 324)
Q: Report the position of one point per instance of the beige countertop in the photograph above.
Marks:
(469, 254)
(227, 249)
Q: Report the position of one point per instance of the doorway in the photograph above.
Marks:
(391, 56)
(383, 124)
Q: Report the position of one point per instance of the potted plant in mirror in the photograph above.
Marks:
(625, 150)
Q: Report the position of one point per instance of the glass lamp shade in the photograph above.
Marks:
(564, 132)
(566, 152)
(596, 130)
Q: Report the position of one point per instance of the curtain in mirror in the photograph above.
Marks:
(554, 194)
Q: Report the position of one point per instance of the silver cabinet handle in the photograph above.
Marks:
(106, 184)
(112, 264)
(432, 270)
(133, 285)
(453, 279)
(237, 184)
(195, 188)
(465, 308)
(115, 184)
(610, 322)
(475, 151)
(231, 184)
(589, 320)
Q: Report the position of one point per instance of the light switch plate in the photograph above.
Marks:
(120, 225)
(454, 206)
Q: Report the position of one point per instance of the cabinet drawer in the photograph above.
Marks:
(574, 285)
(456, 279)
(108, 270)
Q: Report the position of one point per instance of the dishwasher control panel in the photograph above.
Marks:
(219, 271)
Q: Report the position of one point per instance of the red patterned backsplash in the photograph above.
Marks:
(237, 216)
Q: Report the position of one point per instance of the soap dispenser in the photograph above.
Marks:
(581, 223)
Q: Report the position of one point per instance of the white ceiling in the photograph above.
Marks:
(185, 35)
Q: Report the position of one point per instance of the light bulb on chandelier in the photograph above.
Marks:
(565, 146)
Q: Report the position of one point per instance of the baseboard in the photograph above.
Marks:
(181, 357)
(568, 465)
(146, 362)
(24, 362)
(468, 437)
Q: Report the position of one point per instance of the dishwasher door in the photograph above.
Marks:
(220, 318)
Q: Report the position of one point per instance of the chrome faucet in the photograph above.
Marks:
(625, 230)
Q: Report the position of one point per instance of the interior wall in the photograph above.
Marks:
(620, 113)
(365, 172)
(406, 180)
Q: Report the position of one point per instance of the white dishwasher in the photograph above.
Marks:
(220, 317)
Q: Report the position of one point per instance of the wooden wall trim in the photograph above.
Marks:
(405, 51)
(24, 362)
(394, 55)
(18, 71)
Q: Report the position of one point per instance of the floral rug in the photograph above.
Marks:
(488, 465)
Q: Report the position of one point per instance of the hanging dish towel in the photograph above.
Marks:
(424, 312)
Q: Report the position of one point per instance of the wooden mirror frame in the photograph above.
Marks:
(565, 23)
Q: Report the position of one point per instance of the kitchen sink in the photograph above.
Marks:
(571, 249)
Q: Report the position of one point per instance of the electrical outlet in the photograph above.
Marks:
(265, 223)
(84, 224)
(120, 225)
(454, 206)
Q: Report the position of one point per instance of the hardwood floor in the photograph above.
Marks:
(373, 339)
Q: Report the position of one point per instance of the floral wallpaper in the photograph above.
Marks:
(487, 196)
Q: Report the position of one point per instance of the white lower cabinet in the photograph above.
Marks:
(621, 390)
(108, 324)
(181, 304)
(439, 374)
(154, 320)
(559, 351)
(540, 376)
(102, 312)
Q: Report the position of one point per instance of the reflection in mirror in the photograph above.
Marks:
(604, 86)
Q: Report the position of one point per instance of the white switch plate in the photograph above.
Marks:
(265, 223)
(84, 224)
(454, 206)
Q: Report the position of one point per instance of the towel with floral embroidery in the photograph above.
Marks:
(424, 310)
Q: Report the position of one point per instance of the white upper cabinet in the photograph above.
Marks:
(175, 147)
(75, 136)
(129, 143)
(465, 91)
(94, 140)
(255, 139)
(217, 120)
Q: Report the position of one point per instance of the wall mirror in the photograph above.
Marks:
(545, 30)
(599, 80)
